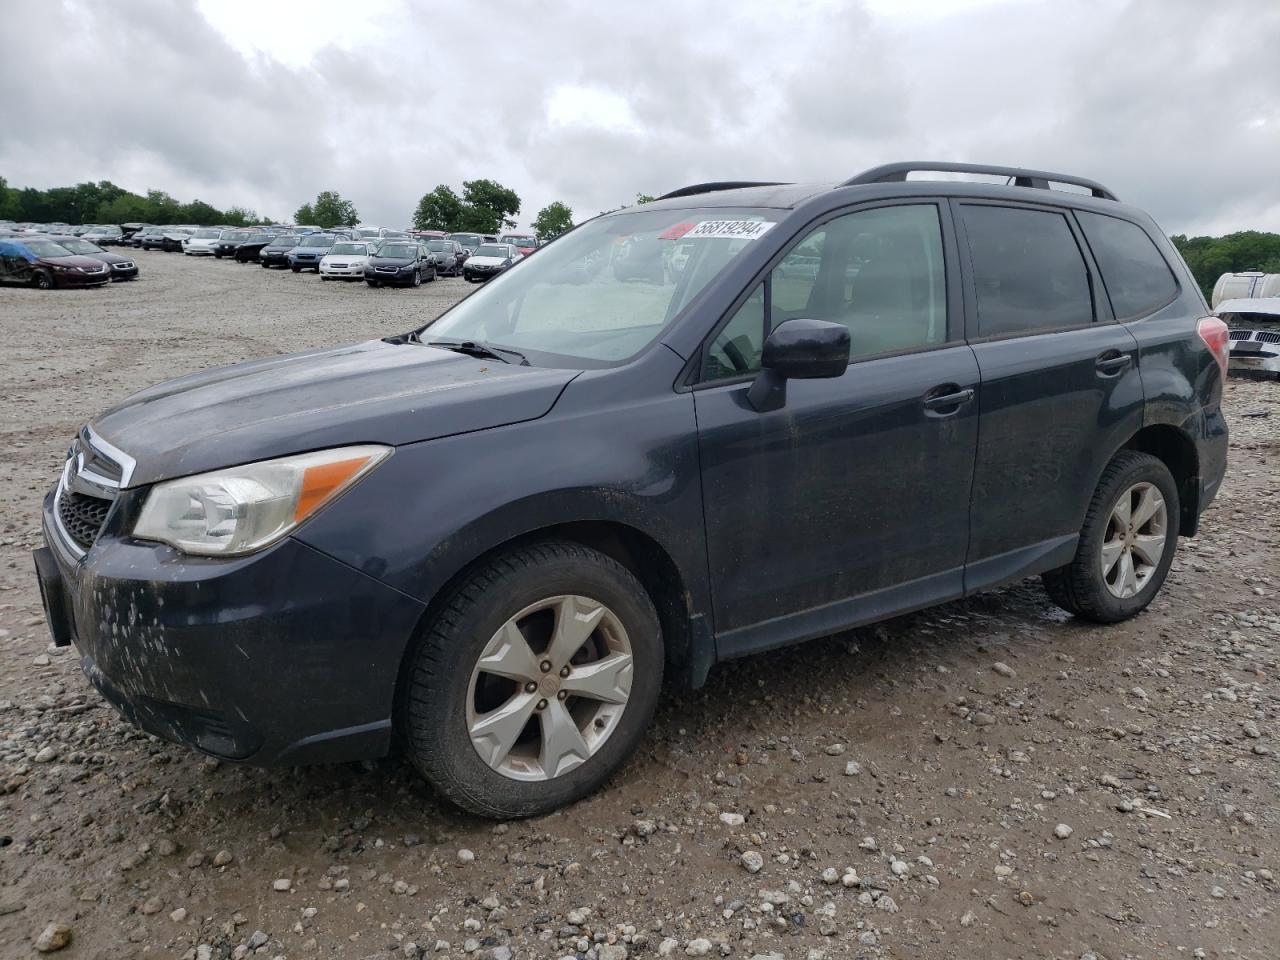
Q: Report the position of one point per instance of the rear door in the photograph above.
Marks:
(1060, 385)
(852, 500)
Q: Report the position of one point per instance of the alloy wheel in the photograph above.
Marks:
(1137, 532)
(549, 688)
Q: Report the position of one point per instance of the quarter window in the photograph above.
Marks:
(1137, 278)
(1028, 271)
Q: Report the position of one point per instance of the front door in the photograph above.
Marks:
(852, 500)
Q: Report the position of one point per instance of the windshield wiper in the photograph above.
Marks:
(474, 348)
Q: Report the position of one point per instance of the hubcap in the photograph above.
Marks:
(1135, 540)
(549, 688)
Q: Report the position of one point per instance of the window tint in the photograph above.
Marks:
(1028, 271)
(1137, 278)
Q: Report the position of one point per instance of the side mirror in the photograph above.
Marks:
(798, 350)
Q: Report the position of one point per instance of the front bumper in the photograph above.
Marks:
(121, 272)
(349, 272)
(285, 656)
(74, 278)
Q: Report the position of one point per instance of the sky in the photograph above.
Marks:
(1173, 104)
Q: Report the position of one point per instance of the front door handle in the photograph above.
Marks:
(1112, 362)
(947, 399)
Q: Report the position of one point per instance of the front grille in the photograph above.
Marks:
(1240, 334)
(1266, 336)
(82, 516)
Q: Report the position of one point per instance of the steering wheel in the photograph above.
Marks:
(736, 356)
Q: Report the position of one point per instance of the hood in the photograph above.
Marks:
(346, 257)
(373, 392)
(377, 261)
(486, 261)
(75, 260)
(105, 257)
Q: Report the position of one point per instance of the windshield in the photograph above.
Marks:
(398, 250)
(47, 248)
(349, 249)
(287, 240)
(316, 240)
(603, 292)
(438, 246)
(518, 241)
(237, 235)
(76, 245)
(493, 250)
(206, 234)
(466, 239)
(369, 233)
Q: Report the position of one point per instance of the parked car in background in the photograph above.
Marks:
(202, 242)
(489, 260)
(276, 253)
(251, 249)
(310, 251)
(130, 230)
(43, 263)
(469, 241)
(104, 234)
(140, 236)
(400, 263)
(449, 255)
(346, 260)
(122, 268)
(1254, 332)
(229, 241)
(526, 243)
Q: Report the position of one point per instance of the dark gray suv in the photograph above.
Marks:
(490, 538)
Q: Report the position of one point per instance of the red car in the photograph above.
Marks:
(45, 264)
(526, 243)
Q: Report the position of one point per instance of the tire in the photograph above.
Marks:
(417, 278)
(264, 265)
(323, 277)
(43, 280)
(441, 689)
(432, 278)
(217, 256)
(1081, 587)
(296, 269)
(373, 283)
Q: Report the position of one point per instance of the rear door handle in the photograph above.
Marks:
(947, 399)
(1112, 362)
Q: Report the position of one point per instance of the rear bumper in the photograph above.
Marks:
(286, 656)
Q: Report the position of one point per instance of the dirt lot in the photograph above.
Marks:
(989, 779)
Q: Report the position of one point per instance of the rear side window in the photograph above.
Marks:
(1028, 271)
(1137, 278)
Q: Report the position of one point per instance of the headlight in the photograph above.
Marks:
(243, 509)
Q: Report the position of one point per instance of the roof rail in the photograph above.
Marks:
(715, 185)
(1040, 179)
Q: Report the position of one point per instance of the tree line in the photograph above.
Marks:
(1210, 257)
(104, 202)
(484, 206)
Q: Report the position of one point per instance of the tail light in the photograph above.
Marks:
(1215, 336)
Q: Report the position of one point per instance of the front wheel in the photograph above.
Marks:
(43, 280)
(535, 682)
(373, 283)
(296, 269)
(1127, 543)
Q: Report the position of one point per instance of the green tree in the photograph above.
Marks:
(8, 201)
(645, 198)
(332, 211)
(552, 220)
(200, 213)
(126, 208)
(1210, 257)
(164, 209)
(487, 206)
(304, 216)
(239, 217)
(441, 209)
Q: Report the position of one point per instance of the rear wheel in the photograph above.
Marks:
(535, 682)
(43, 280)
(1127, 543)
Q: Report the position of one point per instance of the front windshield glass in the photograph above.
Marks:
(605, 291)
(316, 240)
(349, 249)
(398, 250)
(237, 235)
(47, 248)
(288, 240)
(466, 239)
(369, 233)
(206, 234)
(438, 246)
(493, 250)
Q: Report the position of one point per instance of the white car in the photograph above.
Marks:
(202, 242)
(1254, 324)
(489, 260)
(346, 260)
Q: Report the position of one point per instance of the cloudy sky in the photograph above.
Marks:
(1174, 104)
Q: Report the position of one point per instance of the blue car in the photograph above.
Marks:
(310, 251)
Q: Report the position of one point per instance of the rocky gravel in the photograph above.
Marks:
(986, 779)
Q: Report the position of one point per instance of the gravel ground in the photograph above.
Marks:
(987, 779)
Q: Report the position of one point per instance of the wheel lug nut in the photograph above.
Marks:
(562, 695)
(542, 704)
(530, 687)
(564, 671)
(545, 666)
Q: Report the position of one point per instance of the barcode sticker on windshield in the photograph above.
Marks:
(731, 229)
